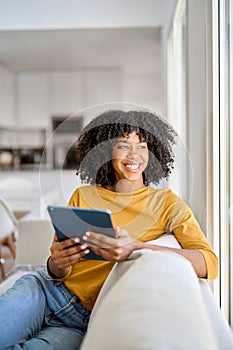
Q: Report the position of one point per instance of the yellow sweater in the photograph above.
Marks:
(146, 214)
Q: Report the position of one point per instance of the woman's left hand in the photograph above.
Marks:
(112, 249)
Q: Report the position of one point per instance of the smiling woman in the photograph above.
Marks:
(100, 136)
(119, 155)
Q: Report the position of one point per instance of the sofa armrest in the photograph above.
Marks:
(154, 300)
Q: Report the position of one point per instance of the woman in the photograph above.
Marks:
(119, 155)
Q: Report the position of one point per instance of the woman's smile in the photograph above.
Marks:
(133, 166)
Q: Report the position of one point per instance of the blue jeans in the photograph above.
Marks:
(38, 313)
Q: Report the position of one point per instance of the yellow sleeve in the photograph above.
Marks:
(74, 199)
(186, 229)
(211, 261)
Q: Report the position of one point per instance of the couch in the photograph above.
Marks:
(154, 300)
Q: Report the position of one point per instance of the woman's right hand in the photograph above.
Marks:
(64, 254)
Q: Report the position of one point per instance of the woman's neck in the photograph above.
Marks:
(126, 186)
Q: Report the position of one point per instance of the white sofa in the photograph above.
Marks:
(151, 301)
(154, 301)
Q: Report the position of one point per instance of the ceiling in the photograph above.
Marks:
(127, 34)
(131, 48)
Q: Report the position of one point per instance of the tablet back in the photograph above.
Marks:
(71, 222)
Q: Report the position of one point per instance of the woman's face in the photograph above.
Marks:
(130, 158)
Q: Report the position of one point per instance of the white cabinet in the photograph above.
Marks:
(40, 95)
(66, 92)
(32, 96)
(7, 97)
(102, 86)
(20, 138)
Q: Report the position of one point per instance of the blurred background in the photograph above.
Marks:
(59, 58)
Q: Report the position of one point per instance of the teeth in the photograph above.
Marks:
(132, 166)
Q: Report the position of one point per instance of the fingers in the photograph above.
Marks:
(68, 252)
(100, 240)
(120, 233)
(117, 231)
(68, 243)
(63, 245)
(112, 249)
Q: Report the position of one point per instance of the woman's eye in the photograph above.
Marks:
(142, 147)
(126, 146)
(122, 147)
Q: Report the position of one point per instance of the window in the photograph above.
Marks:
(177, 99)
(220, 112)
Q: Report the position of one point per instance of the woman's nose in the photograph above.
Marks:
(133, 151)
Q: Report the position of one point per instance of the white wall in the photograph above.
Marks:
(7, 96)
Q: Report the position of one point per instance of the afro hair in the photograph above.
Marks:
(96, 141)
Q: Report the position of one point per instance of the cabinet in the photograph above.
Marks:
(32, 100)
(20, 138)
(7, 97)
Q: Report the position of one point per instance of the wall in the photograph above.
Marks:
(7, 96)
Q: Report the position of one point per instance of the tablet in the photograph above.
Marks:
(71, 222)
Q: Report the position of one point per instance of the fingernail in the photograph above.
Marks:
(83, 246)
(76, 240)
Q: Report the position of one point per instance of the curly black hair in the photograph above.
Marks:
(96, 141)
